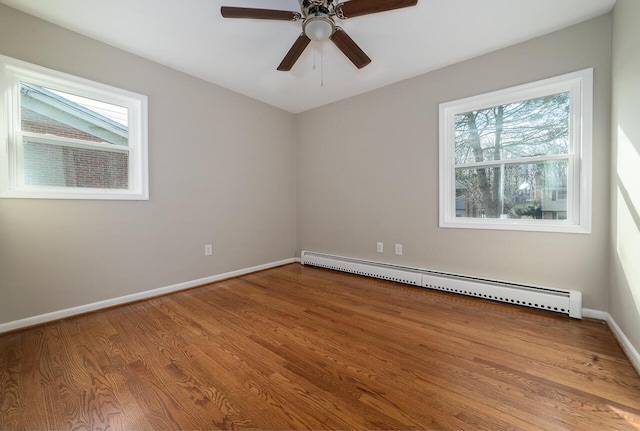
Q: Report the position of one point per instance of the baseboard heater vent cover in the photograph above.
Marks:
(567, 302)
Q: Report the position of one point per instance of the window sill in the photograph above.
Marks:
(552, 226)
(93, 194)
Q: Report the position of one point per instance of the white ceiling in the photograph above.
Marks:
(242, 54)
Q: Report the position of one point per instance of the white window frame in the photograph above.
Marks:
(580, 87)
(12, 73)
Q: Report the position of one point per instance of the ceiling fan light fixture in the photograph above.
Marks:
(318, 24)
(318, 27)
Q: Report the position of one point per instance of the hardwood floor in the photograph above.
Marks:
(304, 348)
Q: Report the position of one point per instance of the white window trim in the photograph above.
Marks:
(12, 72)
(580, 86)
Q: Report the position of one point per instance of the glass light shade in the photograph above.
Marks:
(318, 28)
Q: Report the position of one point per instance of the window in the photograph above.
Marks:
(520, 158)
(69, 138)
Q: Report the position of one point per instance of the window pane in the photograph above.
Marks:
(529, 128)
(514, 191)
(50, 112)
(63, 166)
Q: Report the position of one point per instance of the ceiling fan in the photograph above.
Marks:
(318, 24)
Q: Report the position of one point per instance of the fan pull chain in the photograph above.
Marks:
(319, 46)
(321, 65)
(314, 56)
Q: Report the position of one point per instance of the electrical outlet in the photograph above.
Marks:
(379, 247)
(399, 249)
(208, 250)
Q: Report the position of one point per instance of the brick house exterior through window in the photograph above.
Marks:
(46, 113)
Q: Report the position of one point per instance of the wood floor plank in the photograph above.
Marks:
(150, 364)
(103, 348)
(11, 396)
(297, 347)
(42, 403)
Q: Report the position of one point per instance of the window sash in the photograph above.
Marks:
(520, 161)
(23, 137)
(70, 142)
(508, 198)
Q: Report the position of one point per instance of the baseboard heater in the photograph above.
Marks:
(567, 302)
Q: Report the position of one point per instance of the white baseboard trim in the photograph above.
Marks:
(74, 311)
(595, 314)
(628, 348)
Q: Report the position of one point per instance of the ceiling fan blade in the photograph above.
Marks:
(355, 8)
(245, 12)
(350, 48)
(294, 53)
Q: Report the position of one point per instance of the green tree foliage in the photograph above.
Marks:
(531, 209)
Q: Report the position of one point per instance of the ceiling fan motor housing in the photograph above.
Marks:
(317, 7)
(318, 24)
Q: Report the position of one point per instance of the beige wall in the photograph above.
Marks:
(368, 172)
(625, 172)
(222, 171)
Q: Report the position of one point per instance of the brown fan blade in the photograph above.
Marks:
(355, 8)
(350, 48)
(245, 12)
(294, 53)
